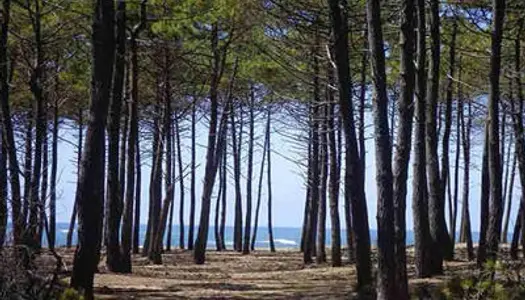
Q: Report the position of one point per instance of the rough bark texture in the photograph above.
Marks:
(90, 192)
(386, 258)
(115, 206)
(353, 181)
(422, 239)
(403, 142)
(494, 157)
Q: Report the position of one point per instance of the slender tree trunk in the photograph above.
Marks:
(517, 232)
(386, 276)
(436, 193)
(466, 233)
(3, 189)
(333, 186)
(218, 243)
(354, 188)
(422, 237)
(44, 186)
(28, 162)
(193, 178)
(236, 150)
(181, 183)
(53, 179)
(504, 234)
(448, 253)
(269, 180)
(74, 213)
(90, 192)
(259, 194)
(249, 175)
(494, 158)
(403, 143)
(484, 203)
(8, 137)
(115, 203)
(323, 165)
(138, 188)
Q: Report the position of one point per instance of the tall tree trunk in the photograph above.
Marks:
(3, 189)
(314, 170)
(448, 253)
(193, 178)
(386, 265)
(504, 234)
(74, 213)
(494, 158)
(28, 162)
(354, 188)
(249, 175)
(333, 186)
(422, 237)
(44, 185)
(8, 137)
(90, 192)
(269, 180)
(215, 143)
(115, 206)
(259, 194)
(181, 183)
(436, 193)
(403, 143)
(484, 202)
(236, 150)
(53, 179)
(465, 228)
(517, 232)
(138, 188)
(323, 165)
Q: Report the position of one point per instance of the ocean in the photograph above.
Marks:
(284, 237)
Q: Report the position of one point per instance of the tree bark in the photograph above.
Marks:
(249, 175)
(354, 188)
(494, 157)
(90, 192)
(386, 259)
(236, 150)
(422, 237)
(193, 178)
(181, 183)
(79, 163)
(115, 206)
(269, 180)
(403, 143)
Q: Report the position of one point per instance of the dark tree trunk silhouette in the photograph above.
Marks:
(74, 213)
(354, 188)
(323, 165)
(448, 253)
(484, 203)
(436, 193)
(269, 180)
(28, 162)
(130, 224)
(8, 137)
(494, 157)
(192, 183)
(236, 150)
(259, 194)
(90, 192)
(387, 286)
(334, 174)
(54, 169)
(115, 206)
(403, 143)
(249, 175)
(422, 239)
(3, 189)
(181, 183)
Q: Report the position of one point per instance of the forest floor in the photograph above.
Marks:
(260, 275)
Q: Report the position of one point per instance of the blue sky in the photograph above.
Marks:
(288, 180)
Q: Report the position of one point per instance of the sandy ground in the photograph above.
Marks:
(259, 275)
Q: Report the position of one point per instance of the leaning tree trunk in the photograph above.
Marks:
(259, 195)
(504, 234)
(90, 192)
(387, 287)
(354, 188)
